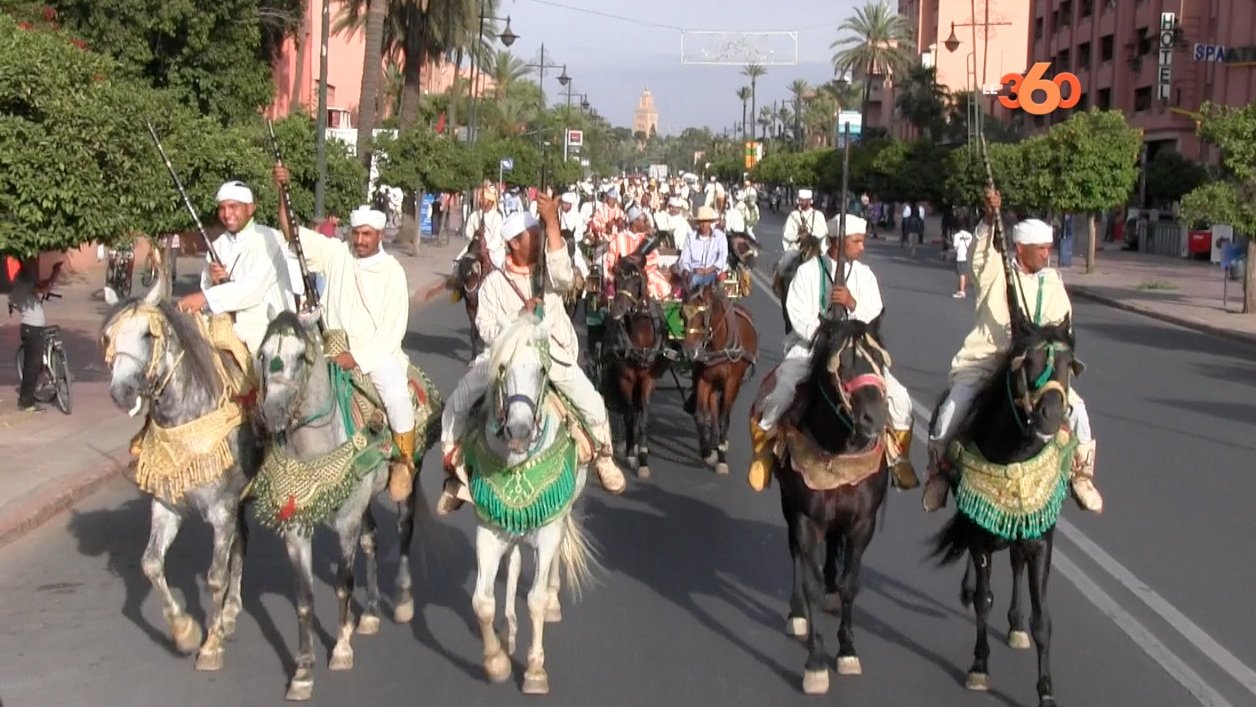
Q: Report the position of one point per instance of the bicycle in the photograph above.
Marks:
(118, 275)
(55, 376)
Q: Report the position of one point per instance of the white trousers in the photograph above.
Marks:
(960, 397)
(792, 371)
(392, 384)
(571, 380)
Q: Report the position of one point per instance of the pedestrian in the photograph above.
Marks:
(962, 242)
(27, 298)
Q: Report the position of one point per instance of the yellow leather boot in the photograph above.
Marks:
(401, 471)
(760, 475)
(453, 493)
(904, 473)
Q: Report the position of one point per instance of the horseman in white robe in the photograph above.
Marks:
(674, 221)
(504, 294)
(254, 278)
(367, 298)
(571, 220)
(487, 220)
(810, 293)
(801, 220)
(986, 346)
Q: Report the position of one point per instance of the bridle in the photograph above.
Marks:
(152, 387)
(533, 402)
(274, 377)
(863, 346)
(733, 350)
(1033, 392)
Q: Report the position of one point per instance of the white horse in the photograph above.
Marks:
(521, 435)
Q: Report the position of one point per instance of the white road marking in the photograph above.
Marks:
(1140, 634)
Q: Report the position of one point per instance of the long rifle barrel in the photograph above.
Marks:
(840, 278)
(187, 202)
(311, 292)
(1000, 243)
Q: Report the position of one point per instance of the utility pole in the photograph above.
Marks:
(320, 139)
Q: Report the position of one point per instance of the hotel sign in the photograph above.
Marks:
(1164, 77)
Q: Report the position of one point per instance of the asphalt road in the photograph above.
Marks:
(1149, 600)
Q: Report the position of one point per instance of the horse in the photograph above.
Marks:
(808, 247)
(833, 478)
(197, 452)
(721, 341)
(317, 456)
(469, 272)
(635, 347)
(524, 473)
(1018, 418)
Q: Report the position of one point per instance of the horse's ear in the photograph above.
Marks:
(270, 312)
(111, 296)
(309, 318)
(1077, 367)
(1068, 329)
(874, 326)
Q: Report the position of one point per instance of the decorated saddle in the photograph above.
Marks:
(1019, 501)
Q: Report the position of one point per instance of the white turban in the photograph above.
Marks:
(235, 191)
(676, 202)
(366, 216)
(854, 225)
(1032, 232)
(571, 198)
(517, 223)
(634, 213)
(804, 194)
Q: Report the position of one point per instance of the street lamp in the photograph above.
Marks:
(542, 66)
(507, 37)
(952, 42)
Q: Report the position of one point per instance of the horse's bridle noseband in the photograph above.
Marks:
(1034, 392)
(152, 388)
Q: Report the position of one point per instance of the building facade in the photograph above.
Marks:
(1156, 61)
(645, 119)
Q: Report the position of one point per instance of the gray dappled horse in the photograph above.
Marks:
(300, 408)
(159, 355)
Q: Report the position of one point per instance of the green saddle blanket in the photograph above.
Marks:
(1017, 501)
(674, 319)
(522, 498)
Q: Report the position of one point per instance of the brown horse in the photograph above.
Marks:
(721, 342)
(469, 272)
(635, 344)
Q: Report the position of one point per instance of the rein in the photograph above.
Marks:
(295, 422)
(733, 350)
(843, 407)
(638, 308)
(1024, 404)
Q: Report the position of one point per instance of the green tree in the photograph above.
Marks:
(1232, 199)
(419, 160)
(1170, 176)
(922, 101)
(880, 43)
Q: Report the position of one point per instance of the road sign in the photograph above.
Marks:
(575, 138)
(507, 164)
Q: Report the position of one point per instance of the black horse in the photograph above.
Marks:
(1019, 412)
(469, 272)
(844, 413)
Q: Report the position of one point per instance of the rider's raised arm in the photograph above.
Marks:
(985, 262)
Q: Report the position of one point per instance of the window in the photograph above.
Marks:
(1106, 46)
(1083, 104)
(1062, 64)
(1105, 99)
(1144, 41)
(1055, 21)
(1088, 8)
(1142, 99)
(1083, 56)
(1066, 13)
(1038, 28)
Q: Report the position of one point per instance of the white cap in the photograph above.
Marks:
(854, 225)
(804, 194)
(676, 202)
(634, 213)
(517, 223)
(571, 198)
(366, 216)
(234, 191)
(1032, 232)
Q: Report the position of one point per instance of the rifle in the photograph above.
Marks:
(311, 292)
(840, 278)
(209, 246)
(1000, 243)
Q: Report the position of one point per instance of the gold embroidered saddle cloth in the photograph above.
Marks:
(368, 409)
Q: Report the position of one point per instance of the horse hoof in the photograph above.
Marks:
(849, 665)
(721, 469)
(404, 613)
(186, 633)
(643, 472)
(368, 625)
(300, 690)
(1046, 701)
(966, 598)
(710, 459)
(1018, 640)
(209, 661)
(978, 682)
(815, 682)
(553, 614)
(832, 603)
(796, 627)
(341, 660)
(497, 667)
(536, 683)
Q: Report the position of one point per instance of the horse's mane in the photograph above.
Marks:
(287, 320)
(198, 352)
(833, 333)
(511, 339)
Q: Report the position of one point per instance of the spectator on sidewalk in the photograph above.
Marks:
(27, 299)
(962, 241)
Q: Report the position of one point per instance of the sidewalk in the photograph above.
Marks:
(53, 460)
(1183, 292)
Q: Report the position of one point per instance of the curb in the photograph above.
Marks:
(45, 503)
(1086, 293)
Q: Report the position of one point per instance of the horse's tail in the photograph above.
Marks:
(951, 543)
(577, 556)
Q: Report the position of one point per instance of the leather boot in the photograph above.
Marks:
(1084, 490)
(760, 475)
(609, 473)
(453, 491)
(903, 472)
(937, 486)
(401, 471)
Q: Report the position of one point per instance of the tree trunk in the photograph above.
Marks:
(372, 71)
(754, 131)
(412, 67)
(1090, 244)
(1249, 277)
(743, 121)
(298, 71)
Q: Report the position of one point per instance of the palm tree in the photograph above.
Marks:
(801, 90)
(880, 44)
(922, 101)
(506, 70)
(766, 118)
(298, 72)
(743, 93)
(368, 99)
(753, 72)
(843, 93)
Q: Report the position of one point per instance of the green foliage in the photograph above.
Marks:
(909, 171)
(1170, 176)
(1231, 200)
(1089, 162)
(420, 160)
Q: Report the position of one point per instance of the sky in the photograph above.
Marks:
(613, 60)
